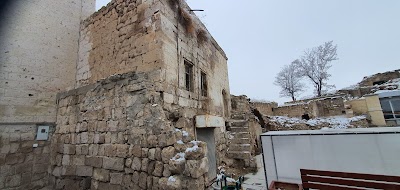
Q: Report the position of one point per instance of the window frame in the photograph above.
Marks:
(393, 115)
(203, 84)
(189, 75)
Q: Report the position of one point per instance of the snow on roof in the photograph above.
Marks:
(387, 93)
(370, 76)
(376, 130)
(260, 101)
(293, 104)
(337, 122)
(352, 87)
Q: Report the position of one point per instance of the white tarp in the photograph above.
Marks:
(371, 150)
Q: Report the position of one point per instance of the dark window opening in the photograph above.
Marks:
(204, 86)
(379, 82)
(305, 117)
(188, 76)
(226, 102)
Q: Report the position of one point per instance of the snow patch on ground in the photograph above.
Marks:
(337, 122)
(230, 180)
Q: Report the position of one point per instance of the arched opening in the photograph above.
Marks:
(226, 103)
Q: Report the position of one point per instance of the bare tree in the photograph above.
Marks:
(315, 63)
(289, 79)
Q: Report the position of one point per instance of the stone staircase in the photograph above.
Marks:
(239, 146)
(240, 143)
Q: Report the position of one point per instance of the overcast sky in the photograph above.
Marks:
(260, 36)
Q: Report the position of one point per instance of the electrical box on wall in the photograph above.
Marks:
(42, 133)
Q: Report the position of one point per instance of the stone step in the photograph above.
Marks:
(241, 134)
(239, 123)
(239, 129)
(242, 155)
(239, 147)
(239, 141)
(239, 116)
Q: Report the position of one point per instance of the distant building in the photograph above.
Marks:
(376, 96)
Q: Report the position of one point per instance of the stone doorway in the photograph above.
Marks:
(207, 135)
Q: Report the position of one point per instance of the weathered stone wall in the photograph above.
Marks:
(145, 36)
(115, 134)
(276, 126)
(357, 92)
(38, 54)
(193, 43)
(321, 107)
(380, 77)
(119, 38)
(358, 106)
(329, 107)
(245, 131)
(21, 165)
(375, 110)
(296, 110)
(265, 108)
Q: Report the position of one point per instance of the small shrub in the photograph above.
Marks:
(202, 36)
(186, 21)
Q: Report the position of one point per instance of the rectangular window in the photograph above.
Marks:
(386, 109)
(396, 107)
(391, 108)
(188, 76)
(204, 86)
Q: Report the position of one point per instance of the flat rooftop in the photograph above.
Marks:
(372, 130)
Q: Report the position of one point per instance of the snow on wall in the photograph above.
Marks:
(338, 122)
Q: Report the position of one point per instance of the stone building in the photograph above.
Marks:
(265, 108)
(151, 87)
(317, 107)
(136, 96)
(38, 42)
(371, 84)
(376, 97)
(370, 106)
(379, 78)
(244, 131)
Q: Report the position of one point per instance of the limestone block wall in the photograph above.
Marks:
(322, 107)
(329, 107)
(296, 110)
(144, 36)
(191, 42)
(386, 76)
(359, 106)
(38, 54)
(115, 134)
(119, 38)
(265, 108)
(375, 110)
(23, 166)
